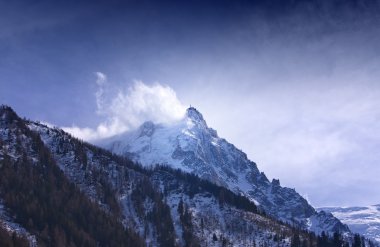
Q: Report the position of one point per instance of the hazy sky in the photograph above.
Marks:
(294, 84)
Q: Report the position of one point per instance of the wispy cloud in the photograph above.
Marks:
(101, 81)
(130, 107)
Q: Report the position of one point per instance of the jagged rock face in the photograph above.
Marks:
(192, 146)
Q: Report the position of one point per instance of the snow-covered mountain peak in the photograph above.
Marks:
(194, 123)
(193, 114)
(190, 145)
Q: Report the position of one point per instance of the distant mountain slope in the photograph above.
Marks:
(192, 146)
(363, 220)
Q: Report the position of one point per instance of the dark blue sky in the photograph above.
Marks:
(295, 84)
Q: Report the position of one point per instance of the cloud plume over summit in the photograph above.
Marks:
(127, 108)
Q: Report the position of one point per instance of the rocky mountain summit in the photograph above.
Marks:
(192, 146)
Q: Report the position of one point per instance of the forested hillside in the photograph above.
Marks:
(56, 190)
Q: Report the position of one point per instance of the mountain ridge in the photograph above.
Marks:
(192, 146)
(162, 206)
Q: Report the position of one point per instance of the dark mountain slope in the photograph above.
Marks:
(42, 200)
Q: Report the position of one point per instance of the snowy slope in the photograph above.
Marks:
(192, 146)
(231, 225)
(363, 220)
(8, 223)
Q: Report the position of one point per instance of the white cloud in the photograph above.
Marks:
(101, 81)
(129, 108)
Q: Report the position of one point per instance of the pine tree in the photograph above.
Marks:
(337, 240)
(295, 242)
(214, 237)
(323, 240)
(357, 241)
(180, 208)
